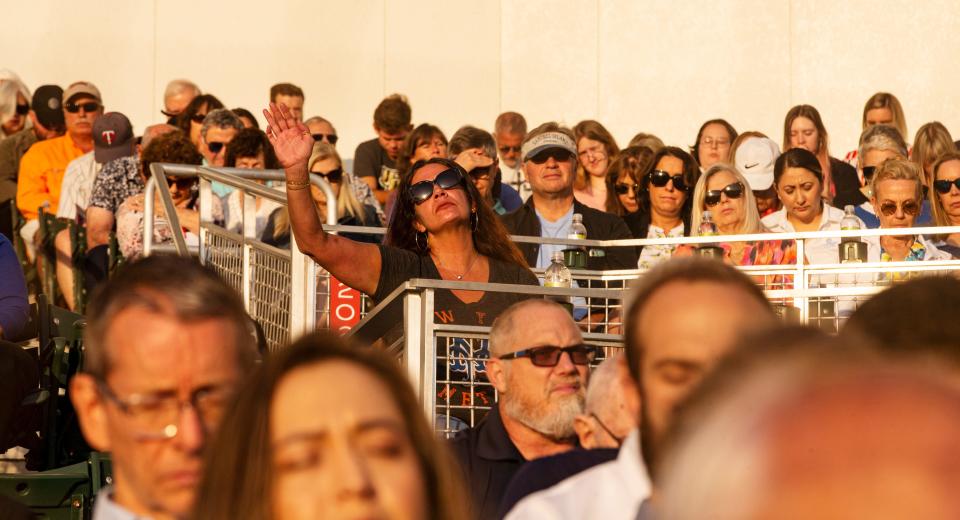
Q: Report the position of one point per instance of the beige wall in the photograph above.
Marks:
(660, 66)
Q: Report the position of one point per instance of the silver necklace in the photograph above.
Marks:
(469, 266)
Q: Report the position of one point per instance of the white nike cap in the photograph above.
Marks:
(755, 160)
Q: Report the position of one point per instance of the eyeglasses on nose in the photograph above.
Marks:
(909, 207)
(944, 186)
(90, 106)
(732, 191)
(549, 355)
(447, 179)
(508, 149)
(156, 416)
(330, 138)
(660, 178)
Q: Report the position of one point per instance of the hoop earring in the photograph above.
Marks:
(416, 239)
(475, 221)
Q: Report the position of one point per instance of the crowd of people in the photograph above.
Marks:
(714, 409)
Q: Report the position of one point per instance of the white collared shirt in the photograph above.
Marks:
(819, 250)
(77, 186)
(608, 491)
(104, 508)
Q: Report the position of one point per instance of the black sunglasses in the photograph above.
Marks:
(558, 154)
(332, 175)
(622, 189)
(447, 179)
(23, 109)
(198, 118)
(549, 355)
(89, 106)
(660, 178)
(868, 172)
(732, 191)
(944, 186)
(330, 138)
(508, 149)
(215, 147)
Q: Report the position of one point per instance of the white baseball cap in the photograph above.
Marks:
(546, 141)
(755, 160)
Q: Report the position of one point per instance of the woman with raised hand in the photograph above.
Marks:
(440, 229)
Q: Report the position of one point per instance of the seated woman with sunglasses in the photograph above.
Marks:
(663, 196)
(897, 194)
(325, 162)
(945, 200)
(624, 177)
(722, 190)
(440, 228)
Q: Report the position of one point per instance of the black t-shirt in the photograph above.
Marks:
(457, 358)
(371, 160)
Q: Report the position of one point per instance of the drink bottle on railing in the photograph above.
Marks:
(557, 275)
(576, 257)
(709, 229)
(852, 249)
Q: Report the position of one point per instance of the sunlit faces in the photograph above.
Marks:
(483, 179)
(214, 145)
(294, 103)
(714, 145)
(391, 142)
(950, 172)
(874, 158)
(80, 123)
(331, 171)
(554, 175)
(804, 134)
(508, 147)
(19, 117)
(156, 357)
(429, 148)
(354, 460)
(593, 156)
(444, 207)
(196, 123)
(324, 129)
(799, 190)
(626, 188)
(251, 163)
(677, 355)
(667, 201)
(729, 213)
(896, 202)
(176, 104)
(879, 116)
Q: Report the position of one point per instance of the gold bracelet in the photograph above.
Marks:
(298, 185)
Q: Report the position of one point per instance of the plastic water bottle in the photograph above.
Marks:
(576, 257)
(577, 230)
(707, 227)
(849, 222)
(852, 249)
(557, 274)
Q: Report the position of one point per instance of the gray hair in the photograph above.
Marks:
(221, 118)
(603, 384)
(510, 123)
(179, 86)
(881, 137)
(319, 120)
(9, 88)
(472, 137)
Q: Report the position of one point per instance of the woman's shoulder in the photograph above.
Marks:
(508, 272)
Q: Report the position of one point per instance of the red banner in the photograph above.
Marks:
(344, 306)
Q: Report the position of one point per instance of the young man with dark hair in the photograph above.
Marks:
(375, 160)
(290, 95)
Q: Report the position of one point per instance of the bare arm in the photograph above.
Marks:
(353, 263)
(99, 224)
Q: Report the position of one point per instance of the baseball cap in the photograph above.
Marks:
(755, 160)
(112, 137)
(81, 87)
(46, 105)
(546, 141)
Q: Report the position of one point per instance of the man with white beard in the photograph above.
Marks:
(539, 366)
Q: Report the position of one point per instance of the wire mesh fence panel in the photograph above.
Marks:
(270, 294)
(224, 254)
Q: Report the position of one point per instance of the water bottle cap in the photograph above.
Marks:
(707, 214)
(848, 208)
(577, 217)
(557, 256)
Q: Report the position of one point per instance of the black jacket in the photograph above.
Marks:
(600, 226)
(847, 184)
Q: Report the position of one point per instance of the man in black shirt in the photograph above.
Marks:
(374, 162)
(539, 366)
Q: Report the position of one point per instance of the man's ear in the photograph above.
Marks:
(497, 374)
(91, 411)
(584, 428)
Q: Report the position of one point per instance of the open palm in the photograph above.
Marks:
(290, 138)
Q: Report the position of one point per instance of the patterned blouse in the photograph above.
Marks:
(118, 180)
(130, 226)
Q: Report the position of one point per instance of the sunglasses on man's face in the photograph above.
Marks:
(508, 149)
(423, 190)
(89, 106)
(732, 191)
(660, 178)
(215, 147)
(944, 186)
(623, 189)
(909, 207)
(549, 355)
(558, 154)
(23, 109)
(331, 176)
(330, 138)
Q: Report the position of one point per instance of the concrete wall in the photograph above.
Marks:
(660, 66)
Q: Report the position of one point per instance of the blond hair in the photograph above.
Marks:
(751, 217)
(898, 169)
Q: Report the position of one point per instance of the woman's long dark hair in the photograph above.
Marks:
(238, 474)
(634, 161)
(208, 100)
(691, 173)
(490, 238)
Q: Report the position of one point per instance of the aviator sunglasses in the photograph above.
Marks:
(732, 191)
(549, 355)
(660, 178)
(446, 180)
(909, 207)
(944, 186)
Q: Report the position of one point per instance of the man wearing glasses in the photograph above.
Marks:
(539, 367)
(43, 166)
(166, 345)
(509, 130)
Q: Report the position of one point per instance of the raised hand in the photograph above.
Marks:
(472, 158)
(290, 138)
